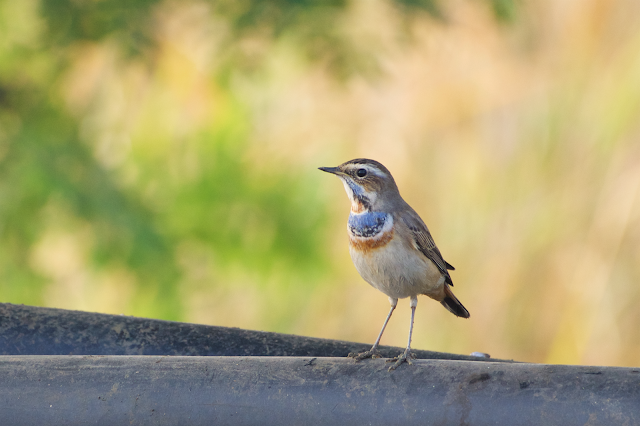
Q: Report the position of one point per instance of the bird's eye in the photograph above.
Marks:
(361, 172)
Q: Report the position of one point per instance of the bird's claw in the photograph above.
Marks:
(373, 354)
(406, 356)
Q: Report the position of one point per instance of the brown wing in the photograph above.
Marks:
(424, 242)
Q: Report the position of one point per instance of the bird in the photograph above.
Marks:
(391, 247)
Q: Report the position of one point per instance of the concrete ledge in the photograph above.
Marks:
(152, 390)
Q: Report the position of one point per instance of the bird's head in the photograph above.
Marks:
(368, 183)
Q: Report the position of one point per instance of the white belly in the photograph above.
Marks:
(397, 270)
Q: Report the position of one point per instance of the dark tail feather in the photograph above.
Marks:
(452, 304)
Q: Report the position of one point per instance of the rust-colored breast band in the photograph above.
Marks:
(365, 245)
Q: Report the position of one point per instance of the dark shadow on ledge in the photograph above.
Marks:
(30, 330)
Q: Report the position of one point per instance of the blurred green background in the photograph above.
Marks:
(159, 159)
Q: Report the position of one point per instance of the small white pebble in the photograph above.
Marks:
(480, 354)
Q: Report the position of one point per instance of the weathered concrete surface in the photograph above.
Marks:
(30, 330)
(151, 390)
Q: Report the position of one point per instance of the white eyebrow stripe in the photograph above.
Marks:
(370, 169)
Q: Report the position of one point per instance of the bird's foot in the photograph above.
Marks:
(405, 356)
(373, 354)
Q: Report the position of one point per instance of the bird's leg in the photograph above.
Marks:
(373, 353)
(406, 355)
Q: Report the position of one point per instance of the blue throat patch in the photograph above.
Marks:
(366, 224)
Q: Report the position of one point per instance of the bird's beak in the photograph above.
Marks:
(334, 170)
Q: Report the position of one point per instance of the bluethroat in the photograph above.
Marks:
(391, 247)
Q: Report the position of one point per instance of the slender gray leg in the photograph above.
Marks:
(406, 355)
(373, 353)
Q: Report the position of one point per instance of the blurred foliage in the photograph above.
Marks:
(255, 217)
(504, 10)
(68, 22)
